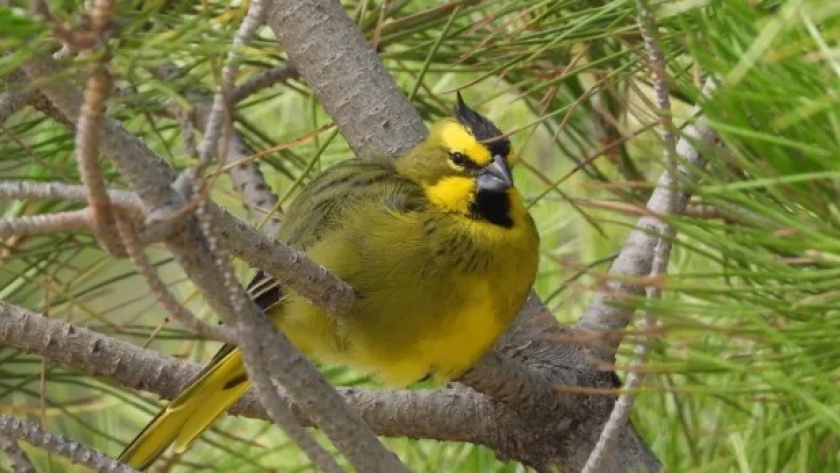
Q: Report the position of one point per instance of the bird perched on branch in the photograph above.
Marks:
(438, 247)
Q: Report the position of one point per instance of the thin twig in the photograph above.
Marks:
(187, 131)
(661, 252)
(11, 102)
(59, 445)
(161, 292)
(263, 80)
(37, 190)
(73, 220)
(606, 315)
(17, 457)
(247, 177)
(220, 111)
(249, 180)
(89, 127)
(87, 155)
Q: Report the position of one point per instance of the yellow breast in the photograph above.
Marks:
(419, 312)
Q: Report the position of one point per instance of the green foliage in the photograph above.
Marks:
(744, 371)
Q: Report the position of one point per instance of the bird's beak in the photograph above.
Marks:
(495, 177)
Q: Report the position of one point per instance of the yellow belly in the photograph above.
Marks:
(444, 339)
(419, 310)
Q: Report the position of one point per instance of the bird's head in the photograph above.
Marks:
(464, 166)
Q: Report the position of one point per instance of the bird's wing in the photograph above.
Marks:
(317, 211)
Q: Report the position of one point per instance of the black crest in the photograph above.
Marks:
(483, 129)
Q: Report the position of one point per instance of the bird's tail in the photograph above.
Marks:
(212, 392)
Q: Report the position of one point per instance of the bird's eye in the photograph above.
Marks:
(458, 159)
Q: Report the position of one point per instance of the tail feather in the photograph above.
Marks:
(213, 391)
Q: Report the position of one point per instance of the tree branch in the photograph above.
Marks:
(44, 224)
(150, 177)
(345, 74)
(57, 444)
(608, 313)
(662, 251)
(263, 80)
(454, 414)
(36, 190)
(17, 457)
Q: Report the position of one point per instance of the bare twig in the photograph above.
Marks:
(263, 80)
(161, 292)
(187, 131)
(11, 102)
(606, 315)
(220, 111)
(246, 177)
(17, 457)
(44, 224)
(36, 190)
(87, 154)
(59, 445)
(662, 251)
(89, 128)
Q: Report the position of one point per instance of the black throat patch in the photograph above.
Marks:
(493, 207)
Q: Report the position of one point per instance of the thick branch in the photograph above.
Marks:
(345, 74)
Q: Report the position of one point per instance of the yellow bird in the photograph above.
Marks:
(441, 253)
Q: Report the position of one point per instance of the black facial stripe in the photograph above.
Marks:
(463, 160)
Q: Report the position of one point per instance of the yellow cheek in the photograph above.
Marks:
(452, 193)
(455, 138)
